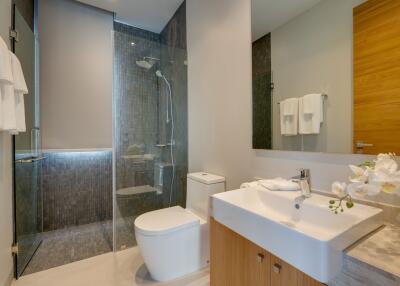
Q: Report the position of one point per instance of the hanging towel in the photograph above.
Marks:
(310, 114)
(289, 110)
(7, 99)
(20, 89)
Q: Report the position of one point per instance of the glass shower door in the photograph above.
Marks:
(27, 158)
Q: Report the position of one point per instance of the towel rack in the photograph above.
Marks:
(324, 96)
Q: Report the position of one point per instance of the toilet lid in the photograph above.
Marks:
(165, 221)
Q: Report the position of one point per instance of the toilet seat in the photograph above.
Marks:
(164, 221)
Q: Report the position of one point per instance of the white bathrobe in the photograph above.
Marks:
(7, 99)
(20, 89)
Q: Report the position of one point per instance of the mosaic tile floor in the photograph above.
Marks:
(71, 244)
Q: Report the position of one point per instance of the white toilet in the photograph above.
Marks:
(175, 241)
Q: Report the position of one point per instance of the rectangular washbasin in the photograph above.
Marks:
(308, 236)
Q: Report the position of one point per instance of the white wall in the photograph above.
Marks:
(312, 53)
(76, 75)
(219, 86)
(219, 55)
(6, 263)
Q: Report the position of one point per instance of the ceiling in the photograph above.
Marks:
(267, 15)
(151, 15)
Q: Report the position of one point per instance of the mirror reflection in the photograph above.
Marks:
(326, 76)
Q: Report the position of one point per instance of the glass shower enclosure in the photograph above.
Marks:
(150, 125)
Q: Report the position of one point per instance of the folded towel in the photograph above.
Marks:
(279, 184)
(310, 114)
(289, 109)
(249, 185)
(20, 88)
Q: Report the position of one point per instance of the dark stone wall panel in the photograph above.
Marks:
(262, 93)
(26, 8)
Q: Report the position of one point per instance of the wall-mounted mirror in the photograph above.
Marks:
(326, 75)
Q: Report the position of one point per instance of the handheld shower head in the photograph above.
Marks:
(159, 73)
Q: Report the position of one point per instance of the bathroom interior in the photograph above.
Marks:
(188, 142)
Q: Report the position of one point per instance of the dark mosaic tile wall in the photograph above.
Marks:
(28, 210)
(77, 188)
(174, 67)
(262, 94)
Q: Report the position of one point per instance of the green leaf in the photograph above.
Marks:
(349, 205)
(331, 202)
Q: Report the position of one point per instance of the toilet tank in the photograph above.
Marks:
(200, 186)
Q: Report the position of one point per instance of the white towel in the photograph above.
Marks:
(249, 185)
(20, 89)
(311, 114)
(279, 184)
(289, 110)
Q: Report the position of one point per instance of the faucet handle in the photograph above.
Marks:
(304, 173)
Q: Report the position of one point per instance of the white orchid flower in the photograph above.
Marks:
(358, 190)
(360, 174)
(386, 162)
(388, 182)
(339, 189)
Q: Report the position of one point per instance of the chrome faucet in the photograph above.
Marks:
(304, 180)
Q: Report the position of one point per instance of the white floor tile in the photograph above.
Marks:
(125, 268)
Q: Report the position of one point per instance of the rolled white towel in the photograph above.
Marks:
(279, 184)
(249, 185)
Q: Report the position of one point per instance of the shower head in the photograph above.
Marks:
(159, 73)
(147, 62)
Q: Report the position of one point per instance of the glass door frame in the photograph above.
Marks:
(33, 153)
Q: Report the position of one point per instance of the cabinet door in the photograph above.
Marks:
(235, 261)
(227, 252)
(257, 263)
(282, 274)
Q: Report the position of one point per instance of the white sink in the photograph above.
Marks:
(310, 238)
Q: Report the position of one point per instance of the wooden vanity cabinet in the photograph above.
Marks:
(236, 261)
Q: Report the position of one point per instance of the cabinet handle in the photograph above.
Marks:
(260, 257)
(277, 268)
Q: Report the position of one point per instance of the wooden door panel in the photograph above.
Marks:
(377, 75)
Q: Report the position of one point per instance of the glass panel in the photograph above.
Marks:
(150, 126)
(28, 196)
